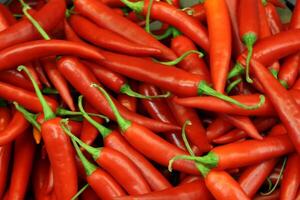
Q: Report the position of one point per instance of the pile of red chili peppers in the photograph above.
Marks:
(149, 100)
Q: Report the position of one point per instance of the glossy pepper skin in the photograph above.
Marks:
(61, 157)
(26, 31)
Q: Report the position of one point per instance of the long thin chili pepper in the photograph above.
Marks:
(26, 31)
(284, 104)
(5, 150)
(291, 176)
(168, 78)
(109, 40)
(41, 73)
(161, 151)
(273, 19)
(59, 149)
(128, 102)
(170, 14)
(102, 183)
(217, 128)
(289, 70)
(99, 13)
(220, 44)
(217, 105)
(70, 33)
(24, 152)
(114, 140)
(192, 191)
(117, 82)
(248, 28)
(114, 163)
(15, 78)
(22, 53)
(58, 81)
(81, 78)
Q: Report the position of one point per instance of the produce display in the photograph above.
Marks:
(149, 100)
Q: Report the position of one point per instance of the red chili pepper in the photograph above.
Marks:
(273, 19)
(26, 31)
(219, 106)
(40, 72)
(289, 70)
(181, 44)
(89, 194)
(9, 18)
(248, 28)
(109, 40)
(273, 196)
(171, 15)
(192, 191)
(295, 19)
(291, 176)
(99, 13)
(220, 44)
(22, 53)
(114, 140)
(59, 82)
(197, 11)
(15, 78)
(217, 128)
(24, 151)
(158, 109)
(72, 68)
(70, 33)
(284, 104)
(102, 183)
(5, 150)
(128, 102)
(264, 28)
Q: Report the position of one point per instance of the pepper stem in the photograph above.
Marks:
(166, 34)
(123, 123)
(31, 118)
(183, 56)
(88, 166)
(233, 85)
(176, 32)
(238, 69)
(249, 39)
(65, 112)
(204, 88)
(185, 140)
(135, 6)
(147, 25)
(48, 113)
(80, 192)
(102, 129)
(95, 152)
(284, 84)
(125, 89)
(38, 27)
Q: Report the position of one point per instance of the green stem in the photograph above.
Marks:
(80, 192)
(125, 89)
(204, 88)
(185, 140)
(237, 70)
(25, 9)
(274, 72)
(48, 113)
(183, 56)
(180, 157)
(176, 32)
(95, 152)
(123, 123)
(102, 129)
(88, 166)
(210, 160)
(135, 6)
(233, 85)
(48, 90)
(264, 2)
(147, 27)
(188, 10)
(277, 181)
(249, 39)
(65, 112)
(31, 118)
(284, 84)
(166, 34)
(203, 169)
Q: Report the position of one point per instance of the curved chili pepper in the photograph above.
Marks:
(289, 70)
(115, 163)
(128, 102)
(284, 104)
(159, 109)
(273, 19)
(192, 191)
(70, 33)
(15, 78)
(291, 176)
(102, 183)
(217, 128)
(264, 28)
(22, 53)
(248, 28)
(58, 81)
(99, 13)
(108, 39)
(197, 11)
(72, 68)
(180, 44)
(217, 105)
(26, 31)
(114, 140)
(5, 150)
(220, 44)
(24, 151)
(171, 15)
